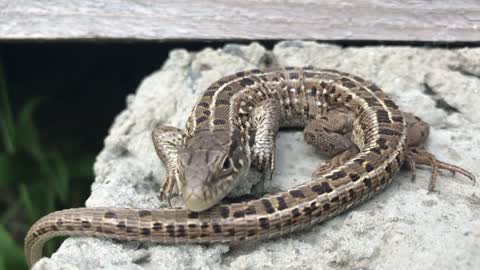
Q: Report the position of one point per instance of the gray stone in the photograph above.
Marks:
(404, 227)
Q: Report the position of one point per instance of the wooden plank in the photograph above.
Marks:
(418, 20)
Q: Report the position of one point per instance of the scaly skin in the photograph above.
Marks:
(233, 126)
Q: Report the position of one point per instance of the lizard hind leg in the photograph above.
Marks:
(417, 133)
(167, 142)
(330, 134)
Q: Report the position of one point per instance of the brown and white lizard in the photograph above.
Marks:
(234, 126)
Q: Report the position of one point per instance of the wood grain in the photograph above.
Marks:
(419, 20)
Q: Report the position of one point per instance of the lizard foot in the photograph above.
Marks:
(264, 160)
(167, 189)
(324, 167)
(419, 156)
(336, 161)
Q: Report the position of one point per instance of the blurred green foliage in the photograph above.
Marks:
(35, 179)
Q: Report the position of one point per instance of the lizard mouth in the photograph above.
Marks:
(195, 200)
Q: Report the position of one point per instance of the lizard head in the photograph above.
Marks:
(208, 169)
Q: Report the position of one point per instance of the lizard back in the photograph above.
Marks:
(379, 131)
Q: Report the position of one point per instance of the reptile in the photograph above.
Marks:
(233, 128)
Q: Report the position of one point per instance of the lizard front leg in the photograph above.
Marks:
(417, 133)
(167, 142)
(330, 134)
(266, 121)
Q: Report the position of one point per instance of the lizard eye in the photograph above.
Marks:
(227, 164)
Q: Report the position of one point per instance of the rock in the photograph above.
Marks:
(404, 227)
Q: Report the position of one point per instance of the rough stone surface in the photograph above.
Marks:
(404, 227)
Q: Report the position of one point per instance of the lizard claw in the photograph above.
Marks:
(164, 196)
(166, 190)
(421, 156)
(336, 161)
(265, 162)
(410, 163)
(323, 168)
(270, 167)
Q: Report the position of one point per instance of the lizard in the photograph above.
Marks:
(233, 128)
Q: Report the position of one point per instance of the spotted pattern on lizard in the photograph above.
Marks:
(233, 127)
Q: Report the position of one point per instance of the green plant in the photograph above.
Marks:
(34, 178)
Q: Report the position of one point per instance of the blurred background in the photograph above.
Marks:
(57, 102)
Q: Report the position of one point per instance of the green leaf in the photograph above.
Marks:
(10, 213)
(27, 132)
(32, 212)
(61, 177)
(50, 200)
(55, 175)
(11, 256)
(52, 165)
(8, 170)
(6, 118)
